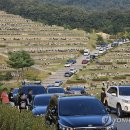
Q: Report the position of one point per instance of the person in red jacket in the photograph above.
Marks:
(4, 96)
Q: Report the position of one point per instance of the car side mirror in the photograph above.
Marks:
(113, 94)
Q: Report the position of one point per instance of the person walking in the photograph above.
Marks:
(11, 98)
(4, 96)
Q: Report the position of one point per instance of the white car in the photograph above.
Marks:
(73, 70)
(67, 64)
(101, 51)
(118, 98)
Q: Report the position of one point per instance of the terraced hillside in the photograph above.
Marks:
(50, 46)
(113, 68)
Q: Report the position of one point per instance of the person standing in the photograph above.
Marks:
(11, 98)
(103, 96)
(4, 96)
(30, 98)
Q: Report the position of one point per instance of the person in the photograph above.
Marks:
(4, 96)
(11, 98)
(83, 92)
(103, 96)
(30, 97)
(22, 101)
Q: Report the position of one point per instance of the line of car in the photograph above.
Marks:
(76, 112)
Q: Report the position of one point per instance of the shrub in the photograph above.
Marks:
(12, 119)
(121, 62)
(76, 81)
(119, 77)
(100, 79)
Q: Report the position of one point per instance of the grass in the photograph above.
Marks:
(12, 119)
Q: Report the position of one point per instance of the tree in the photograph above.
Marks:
(99, 39)
(20, 60)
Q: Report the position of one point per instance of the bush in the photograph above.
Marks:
(119, 77)
(121, 62)
(100, 79)
(5, 76)
(12, 119)
(105, 63)
(76, 81)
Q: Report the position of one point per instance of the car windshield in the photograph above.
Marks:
(81, 107)
(76, 89)
(42, 101)
(56, 90)
(15, 91)
(36, 90)
(124, 91)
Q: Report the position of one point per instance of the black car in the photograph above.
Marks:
(78, 113)
(68, 74)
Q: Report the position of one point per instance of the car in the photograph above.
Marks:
(114, 44)
(40, 104)
(118, 98)
(68, 74)
(86, 52)
(73, 70)
(78, 113)
(71, 61)
(58, 83)
(50, 85)
(77, 89)
(101, 51)
(36, 89)
(67, 64)
(88, 58)
(98, 47)
(55, 90)
(15, 92)
(84, 62)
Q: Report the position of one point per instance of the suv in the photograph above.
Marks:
(78, 112)
(118, 98)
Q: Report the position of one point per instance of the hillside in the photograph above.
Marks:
(94, 5)
(49, 46)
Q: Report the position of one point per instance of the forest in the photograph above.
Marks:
(109, 21)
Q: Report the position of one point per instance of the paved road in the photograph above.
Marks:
(122, 123)
(59, 75)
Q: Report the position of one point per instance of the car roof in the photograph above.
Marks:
(54, 87)
(76, 97)
(44, 95)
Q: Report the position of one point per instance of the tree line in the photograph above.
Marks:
(112, 21)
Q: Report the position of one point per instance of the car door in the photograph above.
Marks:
(114, 97)
(109, 96)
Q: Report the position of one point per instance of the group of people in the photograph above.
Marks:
(21, 101)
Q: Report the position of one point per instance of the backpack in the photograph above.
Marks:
(23, 104)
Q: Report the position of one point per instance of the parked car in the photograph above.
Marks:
(118, 98)
(71, 61)
(76, 90)
(40, 104)
(114, 44)
(15, 92)
(77, 113)
(58, 83)
(68, 74)
(67, 64)
(101, 51)
(84, 62)
(50, 85)
(55, 90)
(86, 52)
(36, 89)
(73, 70)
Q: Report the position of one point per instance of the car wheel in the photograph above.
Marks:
(119, 111)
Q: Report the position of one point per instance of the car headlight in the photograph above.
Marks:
(125, 101)
(65, 128)
(110, 127)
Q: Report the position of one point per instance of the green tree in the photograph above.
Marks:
(20, 60)
(99, 39)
